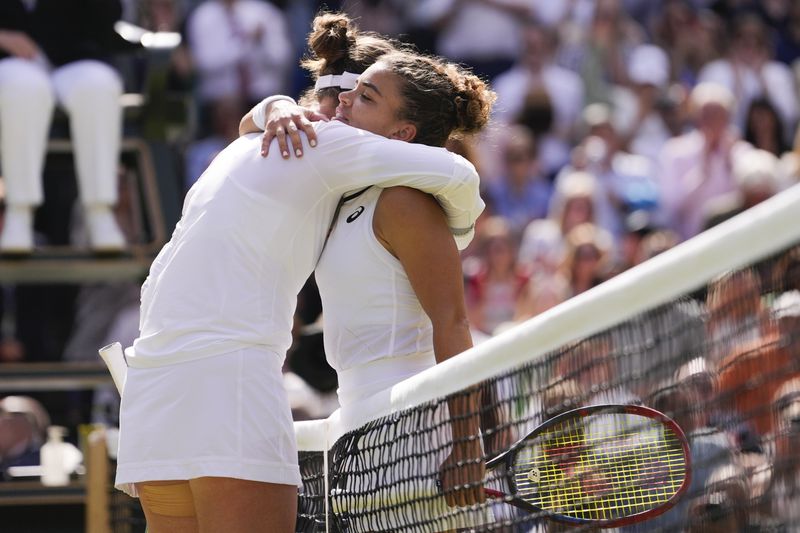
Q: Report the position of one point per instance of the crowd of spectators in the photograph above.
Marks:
(622, 128)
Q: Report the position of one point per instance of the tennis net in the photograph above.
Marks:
(708, 333)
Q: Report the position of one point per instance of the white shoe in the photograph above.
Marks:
(104, 233)
(17, 236)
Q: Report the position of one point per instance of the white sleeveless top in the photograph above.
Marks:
(375, 330)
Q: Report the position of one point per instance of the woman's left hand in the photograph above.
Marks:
(462, 474)
(286, 120)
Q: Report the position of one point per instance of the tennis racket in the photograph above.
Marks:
(603, 465)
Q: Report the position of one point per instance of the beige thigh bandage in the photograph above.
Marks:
(174, 499)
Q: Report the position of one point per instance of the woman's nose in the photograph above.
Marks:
(345, 97)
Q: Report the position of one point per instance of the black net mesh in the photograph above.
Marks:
(723, 362)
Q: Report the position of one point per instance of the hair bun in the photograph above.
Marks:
(473, 100)
(332, 37)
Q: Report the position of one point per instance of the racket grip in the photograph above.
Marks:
(114, 358)
(492, 493)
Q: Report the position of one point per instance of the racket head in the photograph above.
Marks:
(601, 465)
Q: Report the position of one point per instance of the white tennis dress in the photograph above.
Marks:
(372, 316)
(216, 309)
(376, 335)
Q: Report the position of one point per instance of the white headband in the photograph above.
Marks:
(345, 80)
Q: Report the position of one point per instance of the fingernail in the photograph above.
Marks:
(298, 152)
(312, 142)
(285, 153)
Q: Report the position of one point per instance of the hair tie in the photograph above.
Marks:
(345, 80)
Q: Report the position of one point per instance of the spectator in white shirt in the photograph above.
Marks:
(698, 166)
(750, 72)
(241, 48)
(636, 109)
(484, 34)
(536, 72)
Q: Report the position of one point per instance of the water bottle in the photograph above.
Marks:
(53, 458)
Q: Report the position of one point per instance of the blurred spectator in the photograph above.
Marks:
(225, 116)
(542, 291)
(624, 182)
(574, 201)
(541, 249)
(786, 272)
(698, 165)
(701, 379)
(589, 249)
(787, 45)
(241, 49)
(381, 16)
(763, 128)
(521, 194)
(655, 243)
(789, 165)
(755, 174)
(710, 448)
(484, 34)
(736, 313)
(664, 337)
(784, 491)
(690, 37)
(559, 14)
(560, 395)
(601, 52)
(637, 227)
(56, 52)
(160, 15)
(723, 506)
(637, 109)
(749, 72)
(753, 371)
(493, 281)
(593, 365)
(23, 430)
(536, 73)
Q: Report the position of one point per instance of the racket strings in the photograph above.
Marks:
(601, 467)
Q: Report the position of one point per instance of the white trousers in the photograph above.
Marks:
(89, 91)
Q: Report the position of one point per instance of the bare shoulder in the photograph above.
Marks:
(399, 200)
(407, 219)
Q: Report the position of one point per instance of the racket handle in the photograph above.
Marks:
(114, 359)
(492, 493)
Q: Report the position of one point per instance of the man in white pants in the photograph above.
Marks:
(51, 52)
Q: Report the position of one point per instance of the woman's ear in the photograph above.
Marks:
(406, 131)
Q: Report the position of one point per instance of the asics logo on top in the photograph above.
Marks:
(355, 214)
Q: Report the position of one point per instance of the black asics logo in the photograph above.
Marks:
(355, 214)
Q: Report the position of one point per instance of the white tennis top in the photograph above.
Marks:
(252, 230)
(372, 318)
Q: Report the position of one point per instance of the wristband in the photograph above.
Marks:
(260, 110)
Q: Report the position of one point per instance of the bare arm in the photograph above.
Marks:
(412, 226)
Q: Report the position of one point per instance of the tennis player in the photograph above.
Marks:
(390, 275)
(206, 437)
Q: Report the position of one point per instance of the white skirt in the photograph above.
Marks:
(223, 416)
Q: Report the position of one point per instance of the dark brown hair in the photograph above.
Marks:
(440, 98)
